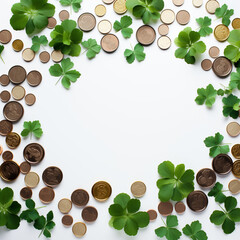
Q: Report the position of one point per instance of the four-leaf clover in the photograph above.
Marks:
(136, 53)
(92, 48)
(207, 95)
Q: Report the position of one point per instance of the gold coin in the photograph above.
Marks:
(57, 56)
(17, 45)
(119, 6)
(108, 1)
(65, 205)
(28, 54)
(221, 33)
(100, 10)
(178, 3)
(234, 186)
(211, 6)
(236, 151)
(104, 27)
(79, 229)
(138, 189)
(233, 129)
(236, 168)
(18, 92)
(31, 179)
(164, 42)
(101, 191)
(197, 3)
(167, 16)
(236, 23)
(13, 140)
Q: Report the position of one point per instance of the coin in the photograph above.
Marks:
(206, 178)
(104, 26)
(206, 64)
(234, 186)
(17, 74)
(236, 168)
(30, 99)
(46, 195)
(1, 149)
(109, 43)
(197, 3)
(222, 164)
(86, 22)
(26, 193)
(34, 78)
(5, 36)
(236, 151)
(9, 171)
(236, 23)
(222, 67)
(100, 10)
(214, 52)
(233, 129)
(67, 220)
(101, 191)
(57, 56)
(197, 201)
(65, 205)
(146, 35)
(221, 33)
(167, 16)
(164, 42)
(18, 93)
(44, 57)
(31, 179)
(152, 214)
(25, 167)
(52, 176)
(180, 207)
(5, 96)
(165, 208)
(211, 6)
(163, 29)
(4, 80)
(64, 15)
(13, 111)
(183, 17)
(28, 54)
(33, 153)
(52, 22)
(80, 197)
(13, 140)
(17, 45)
(138, 189)
(108, 1)
(89, 214)
(79, 229)
(178, 3)
(119, 6)
(7, 156)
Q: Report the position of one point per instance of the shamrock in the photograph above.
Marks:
(194, 231)
(1, 50)
(232, 51)
(37, 42)
(217, 192)
(92, 47)
(123, 25)
(136, 53)
(32, 127)
(235, 80)
(225, 14)
(207, 95)
(231, 106)
(204, 24)
(75, 4)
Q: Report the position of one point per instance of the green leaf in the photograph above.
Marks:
(172, 221)
(232, 53)
(46, 233)
(123, 25)
(30, 204)
(231, 106)
(234, 215)
(115, 210)
(179, 170)
(119, 222)
(133, 205)
(50, 216)
(32, 127)
(3, 219)
(131, 227)
(166, 169)
(161, 231)
(173, 234)
(194, 231)
(40, 223)
(142, 219)
(204, 24)
(217, 217)
(235, 80)
(228, 226)
(6, 196)
(75, 4)
(136, 53)
(1, 50)
(122, 199)
(230, 203)
(38, 41)
(14, 208)
(224, 13)
(217, 192)
(92, 48)
(13, 221)
(207, 96)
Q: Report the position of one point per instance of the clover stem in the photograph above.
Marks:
(40, 233)
(223, 209)
(58, 80)
(2, 58)
(163, 222)
(131, 46)
(40, 207)
(83, 52)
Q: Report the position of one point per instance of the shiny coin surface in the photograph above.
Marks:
(152, 214)
(13, 140)
(236, 168)
(236, 23)
(34, 78)
(109, 43)
(138, 189)
(233, 129)
(28, 54)
(31, 179)
(17, 74)
(5, 96)
(197, 201)
(104, 26)
(4, 80)
(163, 29)
(214, 52)
(146, 35)
(222, 67)
(178, 3)
(65, 205)
(206, 64)
(101, 191)
(52, 176)
(67, 220)
(197, 3)
(234, 186)
(86, 22)
(79, 229)
(89, 214)
(9, 171)
(7, 156)
(52, 22)
(13, 111)
(44, 57)
(18, 93)
(211, 6)
(221, 32)
(167, 16)
(46, 195)
(222, 164)
(57, 56)
(183, 17)
(25, 167)
(30, 99)
(206, 178)
(236, 151)
(119, 6)
(64, 15)
(33, 153)
(180, 207)
(165, 208)
(5, 36)
(108, 1)
(164, 42)
(80, 197)
(17, 45)
(26, 193)
(100, 10)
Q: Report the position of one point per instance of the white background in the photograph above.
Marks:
(118, 122)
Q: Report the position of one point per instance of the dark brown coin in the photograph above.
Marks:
(206, 178)
(33, 153)
(46, 195)
(34, 78)
(5, 127)
(17, 74)
(4, 80)
(180, 207)
(52, 22)
(5, 96)
(197, 201)
(146, 35)
(64, 15)
(67, 220)
(44, 57)
(80, 197)
(9, 171)
(222, 164)
(7, 156)
(165, 208)
(13, 140)
(222, 67)
(25, 167)
(109, 43)
(30, 99)
(5, 36)
(206, 64)
(236, 169)
(13, 111)
(152, 214)
(89, 214)
(26, 193)
(52, 176)
(86, 22)
(101, 191)
(236, 151)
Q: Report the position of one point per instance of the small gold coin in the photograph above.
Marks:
(108, 1)
(65, 205)
(18, 93)
(119, 6)
(138, 189)
(57, 56)
(31, 179)
(104, 26)
(79, 229)
(30, 99)
(221, 33)
(28, 54)
(236, 23)
(197, 3)
(236, 168)
(17, 45)
(236, 151)
(211, 6)
(214, 52)
(164, 42)
(234, 186)
(167, 16)
(233, 129)
(13, 140)
(178, 3)
(101, 191)
(163, 29)
(100, 10)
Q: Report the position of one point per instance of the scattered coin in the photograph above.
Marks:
(236, 23)
(17, 45)
(31, 179)
(146, 35)
(57, 56)
(165, 208)
(108, 1)
(67, 220)
(101, 191)
(197, 201)
(52, 22)
(163, 29)
(236, 168)
(7, 156)
(211, 6)
(18, 93)
(222, 164)
(197, 3)
(30, 99)
(206, 178)
(46, 195)
(52, 176)
(221, 33)
(206, 64)
(80, 197)
(13, 111)
(65, 205)
(109, 43)
(180, 207)
(104, 26)
(214, 52)
(119, 6)
(236, 151)
(178, 3)
(9, 171)
(13, 140)
(183, 17)
(234, 186)
(1, 149)
(79, 229)
(138, 189)
(17, 74)
(164, 42)
(64, 15)
(222, 67)
(28, 54)
(152, 214)
(4, 80)
(25, 167)
(5, 96)
(5, 36)
(233, 129)
(34, 78)
(100, 10)
(86, 22)
(167, 16)
(89, 214)
(44, 57)
(33, 153)
(26, 193)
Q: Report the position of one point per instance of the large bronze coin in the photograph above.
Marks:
(236, 151)
(5, 127)
(33, 153)
(52, 176)
(236, 169)
(13, 140)
(222, 67)
(222, 164)
(89, 214)
(197, 201)
(9, 171)
(80, 197)
(206, 178)
(13, 111)
(101, 191)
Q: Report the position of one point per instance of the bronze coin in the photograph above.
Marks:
(67, 220)
(17, 45)
(17, 74)
(211, 6)
(33, 153)
(109, 43)
(1, 149)
(222, 164)
(197, 201)
(7, 156)
(52, 176)
(5, 36)
(236, 151)
(79, 229)
(13, 140)
(26, 193)
(165, 208)
(46, 195)
(234, 186)
(163, 29)
(206, 64)
(152, 214)
(183, 17)
(9, 171)
(222, 67)
(236, 23)
(52, 22)
(57, 56)
(64, 15)
(101, 191)
(80, 197)
(4, 80)
(89, 214)
(31, 179)
(30, 99)
(138, 189)
(86, 22)
(206, 178)
(25, 167)
(5, 96)
(65, 205)
(233, 129)
(146, 35)
(34, 78)
(44, 57)
(13, 111)
(180, 207)
(214, 52)
(18, 93)
(236, 168)
(28, 54)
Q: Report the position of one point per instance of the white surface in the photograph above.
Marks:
(118, 122)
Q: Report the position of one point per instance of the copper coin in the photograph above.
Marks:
(9, 171)
(163, 29)
(206, 178)
(52, 22)
(57, 56)
(236, 23)
(236, 151)
(222, 67)
(167, 16)
(180, 207)
(206, 64)
(236, 168)
(26, 193)
(5, 36)
(197, 3)
(79, 229)
(164, 42)
(146, 35)
(52, 176)
(152, 214)
(46, 195)
(222, 164)
(18, 93)
(86, 22)
(1, 149)
(17, 74)
(214, 52)
(31, 179)
(28, 54)
(5, 96)
(211, 6)
(119, 6)
(138, 189)
(30, 99)
(7, 156)
(221, 33)
(109, 43)
(165, 208)
(65, 205)
(101, 191)
(233, 129)
(13, 111)
(34, 78)
(197, 201)
(25, 167)
(67, 220)
(80, 197)
(64, 15)
(178, 3)
(13, 140)
(33, 153)
(89, 214)
(17, 45)
(4, 80)
(44, 57)
(183, 17)
(234, 186)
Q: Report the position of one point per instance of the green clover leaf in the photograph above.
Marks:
(123, 25)
(136, 53)
(92, 48)
(204, 24)
(207, 96)
(32, 128)
(231, 106)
